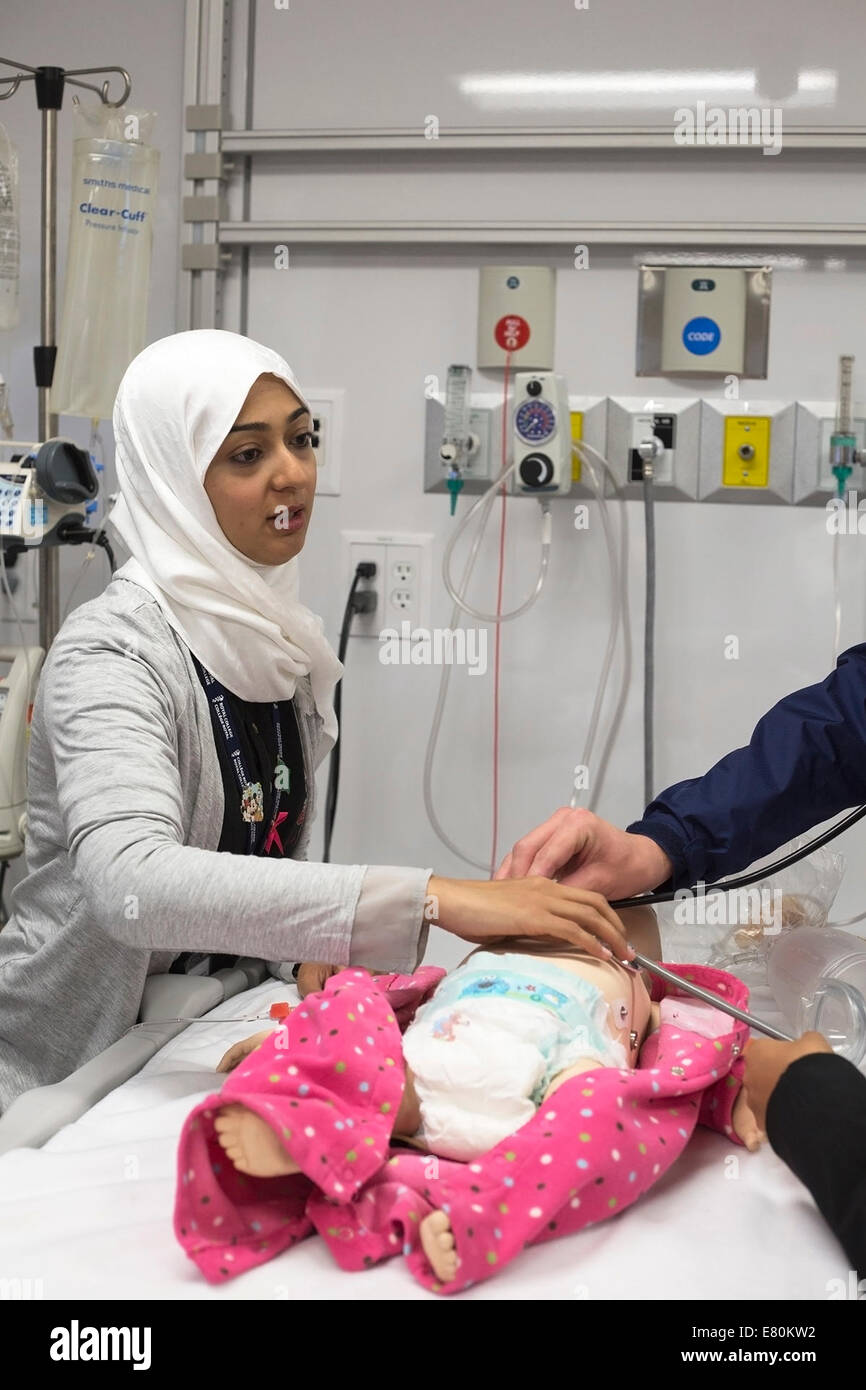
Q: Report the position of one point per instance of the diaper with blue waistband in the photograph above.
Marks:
(485, 1048)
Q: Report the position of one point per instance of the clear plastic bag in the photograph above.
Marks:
(734, 931)
(800, 896)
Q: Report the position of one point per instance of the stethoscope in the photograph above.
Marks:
(717, 1002)
(728, 886)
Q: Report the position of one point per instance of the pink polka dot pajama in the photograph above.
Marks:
(329, 1084)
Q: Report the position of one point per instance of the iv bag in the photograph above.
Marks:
(104, 320)
(9, 234)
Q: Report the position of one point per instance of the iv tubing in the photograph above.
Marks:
(618, 610)
(649, 633)
(456, 595)
(440, 708)
(837, 599)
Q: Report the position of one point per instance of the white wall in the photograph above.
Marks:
(763, 574)
(378, 322)
(376, 64)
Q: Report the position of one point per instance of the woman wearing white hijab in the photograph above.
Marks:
(182, 714)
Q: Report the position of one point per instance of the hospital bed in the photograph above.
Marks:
(87, 1210)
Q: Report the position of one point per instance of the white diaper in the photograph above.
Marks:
(485, 1048)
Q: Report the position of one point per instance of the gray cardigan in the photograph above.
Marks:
(125, 812)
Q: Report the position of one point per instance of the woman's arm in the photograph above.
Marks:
(106, 733)
(107, 714)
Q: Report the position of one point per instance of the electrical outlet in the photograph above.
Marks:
(408, 590)
(403, 579)
(327, 411)
(357, 547)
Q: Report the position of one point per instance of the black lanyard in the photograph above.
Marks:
(252, 801)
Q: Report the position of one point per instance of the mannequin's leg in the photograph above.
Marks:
(437, 1237)
(254, 1148)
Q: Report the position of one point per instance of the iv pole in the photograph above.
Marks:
(49, 99)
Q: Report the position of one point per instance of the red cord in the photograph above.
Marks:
(496, 647)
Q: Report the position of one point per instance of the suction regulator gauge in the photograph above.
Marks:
(535, 421)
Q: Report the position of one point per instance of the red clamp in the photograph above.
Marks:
(280, 1010)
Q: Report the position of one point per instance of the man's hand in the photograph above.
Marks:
(766, 1060)
(314, 975)
(583, 851)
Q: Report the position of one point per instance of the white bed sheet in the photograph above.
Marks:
(90, 1214)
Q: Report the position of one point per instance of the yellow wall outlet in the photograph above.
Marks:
(746, 458)
(577, 436)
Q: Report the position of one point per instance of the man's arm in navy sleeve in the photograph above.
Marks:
(805, 763)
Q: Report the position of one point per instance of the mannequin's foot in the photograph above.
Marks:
(438, 1244)
(251, 1144)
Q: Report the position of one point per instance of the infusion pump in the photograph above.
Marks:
(44, 492)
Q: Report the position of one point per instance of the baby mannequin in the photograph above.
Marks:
(500, 1035)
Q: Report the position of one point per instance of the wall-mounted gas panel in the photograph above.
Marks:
(668, 425)
(813, 475)
(747, 452)
(774, 453)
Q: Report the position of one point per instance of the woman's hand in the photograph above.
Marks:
(236, 1054)
(766, 1060)
(480, 911)
(313, 976)
(581, 850)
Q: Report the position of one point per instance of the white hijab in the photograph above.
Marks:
(174, 407)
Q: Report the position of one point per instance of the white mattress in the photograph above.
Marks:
(90, 1214)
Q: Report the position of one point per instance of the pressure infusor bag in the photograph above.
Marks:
(104, 321)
